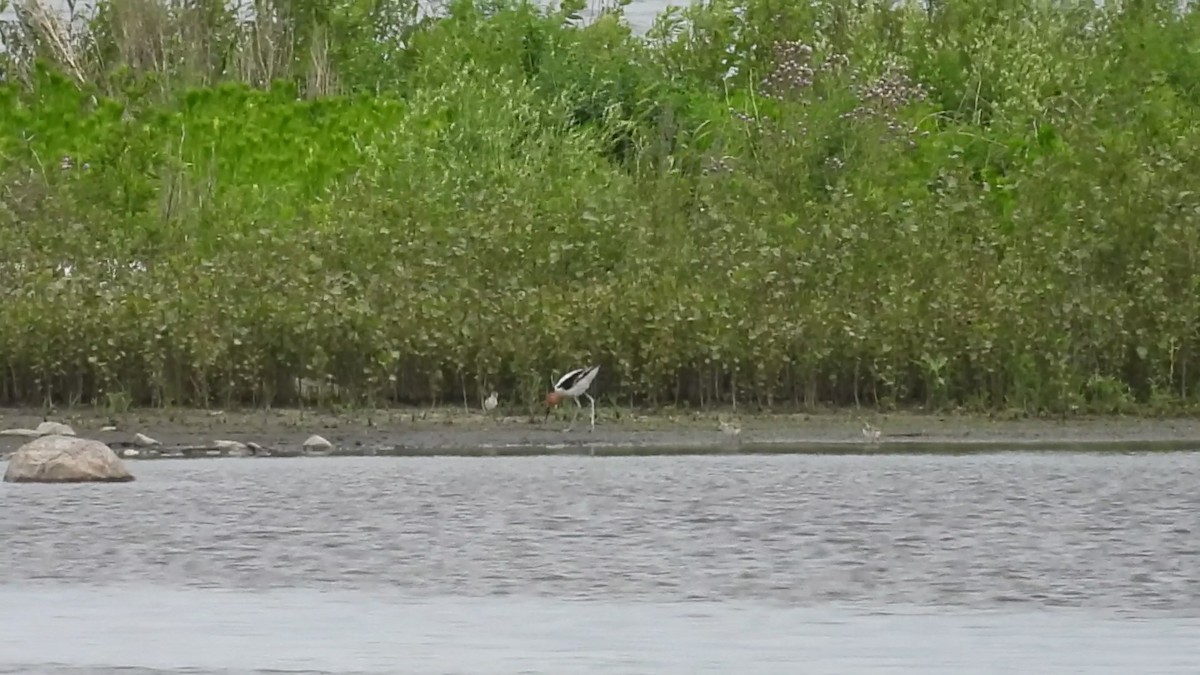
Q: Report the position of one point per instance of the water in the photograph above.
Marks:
(1048, 563)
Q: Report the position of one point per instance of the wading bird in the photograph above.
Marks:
(730, 429)
(870, 433)
(573, 385)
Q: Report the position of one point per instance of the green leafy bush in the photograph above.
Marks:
(982, 205)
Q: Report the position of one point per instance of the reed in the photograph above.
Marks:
(784, 204)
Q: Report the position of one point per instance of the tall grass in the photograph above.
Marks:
(991, 205)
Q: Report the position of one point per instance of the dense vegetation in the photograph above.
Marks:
(979, 203)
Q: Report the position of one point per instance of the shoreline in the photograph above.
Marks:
(450, 431)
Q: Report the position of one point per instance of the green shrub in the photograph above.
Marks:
(981, 205)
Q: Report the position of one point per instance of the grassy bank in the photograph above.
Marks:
(982, 205)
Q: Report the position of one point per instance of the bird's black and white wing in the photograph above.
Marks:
(577, 379)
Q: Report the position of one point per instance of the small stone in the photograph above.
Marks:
(145, 441)
(317, 444)
(240, 452)
(232, 448)
(25, 433)
(108, 428)
(55, 429)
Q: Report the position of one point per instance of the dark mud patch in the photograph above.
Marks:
(448, 431)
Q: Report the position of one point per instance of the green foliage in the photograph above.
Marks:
(984, 205)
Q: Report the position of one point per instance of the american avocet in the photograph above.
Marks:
(573, 385)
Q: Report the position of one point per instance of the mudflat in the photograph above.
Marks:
(449, 430)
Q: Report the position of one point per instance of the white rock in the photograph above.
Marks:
(145, 441)
(232, 447)
(26, 433)
(130, 452)
(65, 459)
(55, 429)
(317, 444)
(108, 428)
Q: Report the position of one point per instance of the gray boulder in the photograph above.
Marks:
(65, 459)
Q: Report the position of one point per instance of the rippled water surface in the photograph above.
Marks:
(995, 563)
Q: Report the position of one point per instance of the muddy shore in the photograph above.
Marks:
(450, 431)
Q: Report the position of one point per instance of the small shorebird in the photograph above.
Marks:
(489, 404)
(573, 385)
(870, 433)
(730, 429)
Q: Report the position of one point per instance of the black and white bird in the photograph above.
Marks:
(573, 385)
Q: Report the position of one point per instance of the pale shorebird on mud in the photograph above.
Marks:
(730, 429)
(870, 433)
(573, 385)
(490, 403)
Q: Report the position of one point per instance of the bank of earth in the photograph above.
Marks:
(451, 430)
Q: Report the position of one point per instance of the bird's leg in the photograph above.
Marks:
(593, 401)
(578, 407)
